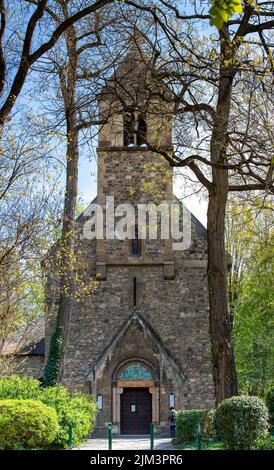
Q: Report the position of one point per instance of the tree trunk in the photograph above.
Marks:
(67, 243)
(224, 373)
(67, 286)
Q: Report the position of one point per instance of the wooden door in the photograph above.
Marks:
(136, 411)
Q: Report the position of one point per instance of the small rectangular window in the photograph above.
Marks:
(136, 244)
(134, 291)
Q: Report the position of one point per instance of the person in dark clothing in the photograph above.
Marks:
(172, 421)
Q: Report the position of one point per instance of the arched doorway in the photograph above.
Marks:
(135, 397)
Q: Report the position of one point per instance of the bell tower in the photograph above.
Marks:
(136, 117)
(133, 106)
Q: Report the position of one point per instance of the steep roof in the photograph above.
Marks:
(28, 341)
(133, 64)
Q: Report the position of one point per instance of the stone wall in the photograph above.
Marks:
(129, 176)
(175, 314)
(176, 309)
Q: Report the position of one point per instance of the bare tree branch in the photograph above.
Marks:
(28, 58)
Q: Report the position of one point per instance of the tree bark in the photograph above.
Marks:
(224, 372)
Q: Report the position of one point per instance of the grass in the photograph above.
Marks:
(210, 444)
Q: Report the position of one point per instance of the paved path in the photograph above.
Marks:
(127, 443)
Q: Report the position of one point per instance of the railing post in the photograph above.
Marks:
(110, 436)
(198, 436)
(151, 428)
(70, 435)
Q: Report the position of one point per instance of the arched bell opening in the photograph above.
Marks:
(134, 130)
(129, 129)
(141, 131)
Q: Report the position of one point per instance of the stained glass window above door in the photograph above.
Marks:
(136, 372)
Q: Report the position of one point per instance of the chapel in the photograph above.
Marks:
(139, 343)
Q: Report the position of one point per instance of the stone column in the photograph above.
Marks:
(155, 404)
(116, 408)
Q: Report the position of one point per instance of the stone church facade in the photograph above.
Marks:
(140, 342)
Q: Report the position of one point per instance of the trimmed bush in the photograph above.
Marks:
(270, 406)
(241, 422)
(27, 424)
(208, 425)
(187, 421)
(266, 444)
(76, 407)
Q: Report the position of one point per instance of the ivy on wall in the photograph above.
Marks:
(52, 368)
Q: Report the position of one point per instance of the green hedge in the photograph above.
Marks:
(27, 423)
(241, 422)
(270, 406)
(186, 423)
(75, 407)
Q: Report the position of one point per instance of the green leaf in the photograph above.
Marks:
(224, 15)
(238, 8)
(221, 11)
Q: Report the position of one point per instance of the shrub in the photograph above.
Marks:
(27, 424)
(186, 424)
(208, 425)
(241, 422)
(76, 407)
(265, 444)
(270, 406)
(19, 387)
